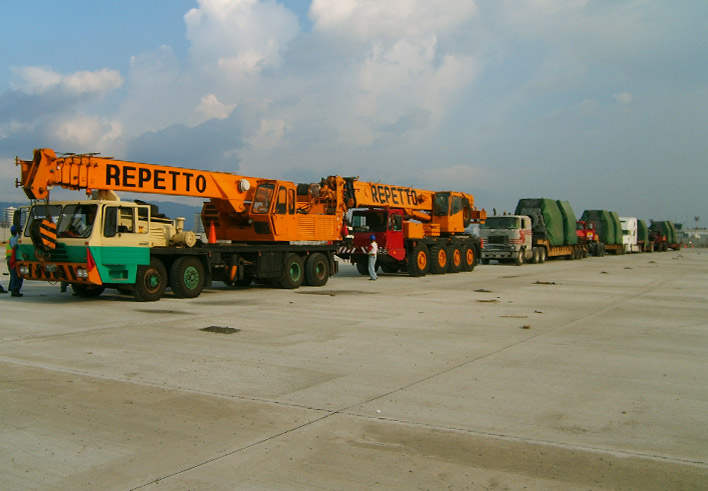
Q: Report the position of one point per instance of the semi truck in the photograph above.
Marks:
(663, 234)
(608, 231)
(539, 229)
(264, 230)
(643, 241)
(630, 234)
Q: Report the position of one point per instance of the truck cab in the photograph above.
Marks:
(629, 234)
(92, 244)
(507, 238)
(387, 226)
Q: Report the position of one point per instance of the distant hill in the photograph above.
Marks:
(169, 208)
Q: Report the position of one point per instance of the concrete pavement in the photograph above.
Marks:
(566, 375)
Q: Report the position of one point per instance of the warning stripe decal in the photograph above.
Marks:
(48, 233)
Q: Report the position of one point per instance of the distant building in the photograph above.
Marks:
(198, 226)
(7, 214)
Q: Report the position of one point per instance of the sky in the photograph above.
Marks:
(603, 103)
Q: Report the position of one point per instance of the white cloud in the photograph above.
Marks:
(392, 19)
(623, 97)
(34, 79)
(39, 80)
(210, 107)
(84, 131)
(240, 37)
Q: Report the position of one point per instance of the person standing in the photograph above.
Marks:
(373, 252)
(8, 253)
(15, 280)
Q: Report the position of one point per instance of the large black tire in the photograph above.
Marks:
(418, 260)
(485, 261)
(316, 269)
(439, 259)
(455, 259)
(293, 272)
(150, 281)
(87, 291)
(390, 267)
(363, 266)
(187, 277)
(542, 255)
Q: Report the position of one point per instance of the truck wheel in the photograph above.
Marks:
(469, 259)
(541, 255)
(439, 259)
(363, 267)
(519, 259)
(485, 261)
(87, 291)
(150, 281)
(455, 259)
(316, 269)
(418, 261)
(534, 255)
(293, 274)
(389, 267)
(187, 277)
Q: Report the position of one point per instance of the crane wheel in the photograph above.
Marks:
(455, 259)
(150, 281)
(469, 258)
(362, 266)
(418, 261)
(439, 259)
(316, 269)
(293, 273)
(187, 277)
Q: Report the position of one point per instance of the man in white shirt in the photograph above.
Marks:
(373, 252)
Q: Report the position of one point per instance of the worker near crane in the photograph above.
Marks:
(373, 252)
(10, 252)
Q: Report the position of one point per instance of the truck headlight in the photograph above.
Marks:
(81, 273)
(24, 270)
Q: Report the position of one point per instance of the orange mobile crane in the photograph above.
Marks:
(259, 229)
(417, 231)
(262, 230)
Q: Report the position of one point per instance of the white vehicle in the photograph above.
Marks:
(629, 234)
(508, 239)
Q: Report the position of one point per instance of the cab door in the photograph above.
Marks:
(124, 244)
(284, 214)
(394, 236)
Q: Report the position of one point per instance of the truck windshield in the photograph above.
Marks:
(372, 221)
(502, 222)
(76, 221)
(39, 213)
(263, 198)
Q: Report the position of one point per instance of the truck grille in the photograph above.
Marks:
(497, 239)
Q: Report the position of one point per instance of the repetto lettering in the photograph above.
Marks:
(391, 195)
(145, 178)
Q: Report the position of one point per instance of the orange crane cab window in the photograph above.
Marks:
(263, 198)
(442, 204)
(281, 206)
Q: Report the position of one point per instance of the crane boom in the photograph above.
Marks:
(91, 172)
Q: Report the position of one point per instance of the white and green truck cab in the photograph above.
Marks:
(108, 243)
